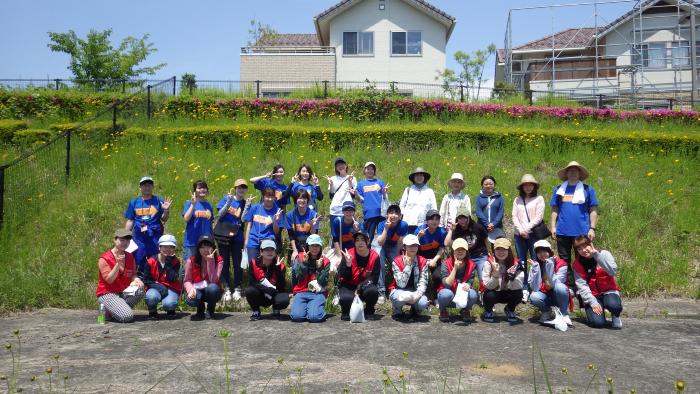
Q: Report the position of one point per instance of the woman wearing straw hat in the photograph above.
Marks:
(528, 212)
(417, 199)
(454, 200)
(574, 209)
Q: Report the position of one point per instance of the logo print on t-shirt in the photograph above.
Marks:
(371, 188)
(266, 220)
(150, 211)
(203, 214)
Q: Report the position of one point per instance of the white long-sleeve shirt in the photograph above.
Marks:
(415, 203)
(451, 204)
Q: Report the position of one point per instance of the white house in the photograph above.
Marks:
(645, 51)
(357, 40)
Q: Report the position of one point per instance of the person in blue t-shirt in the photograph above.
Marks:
(198, 214)
(275, 181)
(263, 221)
(305, 179)
(231, 209)
(390, 233)
(343, 228)
(574, 209)
(301, 222)
(432, 246)
(371, 191)
(146, 215)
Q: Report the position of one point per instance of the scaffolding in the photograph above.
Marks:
(649, 50)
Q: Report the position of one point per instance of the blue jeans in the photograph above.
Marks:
(611, 302)
(253, 254)
(559, 297)
(479, 261)
(231, 254)
(210, 294)
(386, 256)
(522, 247)
(420, 305)
(370, 226)
(308, 306)
(445, 297)
(153, 297)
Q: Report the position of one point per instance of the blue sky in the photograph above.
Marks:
(205, 37)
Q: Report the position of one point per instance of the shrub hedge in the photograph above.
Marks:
(8, 128)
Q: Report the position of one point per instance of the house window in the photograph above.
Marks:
(406, 43)
(651, 55)
(358, 43)
(680, 53)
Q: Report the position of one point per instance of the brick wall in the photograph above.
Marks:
(291, 67)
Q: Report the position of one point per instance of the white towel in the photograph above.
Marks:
(579, 195)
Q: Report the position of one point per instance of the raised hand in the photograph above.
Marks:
(295, 178)
(450, 225)
(250, 199)
(385, 190)
(314, 180)
(355, 225)
(421, 233)
(330, 181)
(347, 256)
(166, 204)
(277, 214)
(280, 261)
(194, 198)
(314, 221)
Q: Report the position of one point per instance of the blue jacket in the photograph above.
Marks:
(495, 212)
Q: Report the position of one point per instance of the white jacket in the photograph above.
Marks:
(450, 204)
(415, 203)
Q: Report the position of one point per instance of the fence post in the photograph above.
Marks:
(528, 93)
(392, 86)
(58, 81)
(325, 89)
(68, 133)
(114, 117)
(174, 84)
(670, 104)
(2, 195)
(148, 101)
(600, 101)
(461, 93)
(257, 89)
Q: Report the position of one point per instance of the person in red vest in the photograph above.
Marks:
(162, 278)
(202, 273)
(118, 287)
(267, 282)
(358, 273)
(548, 281)
(594, 272)
(410, 280)
(503, 281)
(309, 280)
(458, 270)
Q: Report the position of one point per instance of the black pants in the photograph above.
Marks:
(232, 254)
(509, 297)
(368, 294)
(435, 281)
(371, 227)
(564, 246)
(257, 298)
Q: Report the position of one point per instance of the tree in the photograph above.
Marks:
(472, 73)
(261, 32)
(189, 82)
(448, 79)
(94, 58)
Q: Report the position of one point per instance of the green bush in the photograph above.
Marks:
(28, 137)
(8, 128)
(58, 104)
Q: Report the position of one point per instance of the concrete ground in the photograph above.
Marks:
(659, 343)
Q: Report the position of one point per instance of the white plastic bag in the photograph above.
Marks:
(244, 259)
(461, 299)
(357, 310)
(333, 258)
(558, 321)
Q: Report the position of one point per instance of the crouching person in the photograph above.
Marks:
(118, 288)
(410, 280)
(358, 273)
(267, 282)
(548, 282)
(503, 280)
(162, 278)
(202, 273)
(309, 279)
(458, 271)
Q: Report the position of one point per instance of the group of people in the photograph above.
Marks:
(413, 253)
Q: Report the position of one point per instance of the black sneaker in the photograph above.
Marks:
(199, 316)
(345, 317)
(466, 316)
(276, 313)
(371, 316)
(209, 315)
(170, 314)
(415, 315)
(255, 316)
(152, 316)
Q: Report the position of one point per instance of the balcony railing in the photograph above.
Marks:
(282, 50)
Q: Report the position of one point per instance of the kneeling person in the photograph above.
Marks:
(358, 273)
(458, 271)
(162, 278)
(410, 280)
(268, 287)
(548, 282)
(309, 279)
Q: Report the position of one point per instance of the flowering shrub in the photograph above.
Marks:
(59, 104)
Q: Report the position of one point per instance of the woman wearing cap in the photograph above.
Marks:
(410, 280)
(358, 273)
(267, 284)
(231, 210)
(390, 235)
(309, 280)
(594, 272)
(432, 246)
(198, 214)
(117, 274)
(371, 191)
(343, 227)
(475, 235)
(574, 209)
(301, 222)
(489, 208)
(146, 215)
(162, 279)
(202, 273)
(454, 200)
(275, 181)
(263, 221)
(341, 187)
(548, 281)
(305, 179)
(503, 281)
(417, 199)
(528, 212)
(458, 272)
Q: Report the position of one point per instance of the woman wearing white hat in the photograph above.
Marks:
(310, 272)
(528, 212)
(454, 200)
(417, 199)
(162, 278)
(548, 282)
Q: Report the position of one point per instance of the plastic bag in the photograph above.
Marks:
(357, 310)
(461, 299)
(558, 321)
(244, 259)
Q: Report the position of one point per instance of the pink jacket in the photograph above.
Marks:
(211, 271)
(535, 209)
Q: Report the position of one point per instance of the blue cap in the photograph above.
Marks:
(267, 244)
(348, 205)
(314, 239)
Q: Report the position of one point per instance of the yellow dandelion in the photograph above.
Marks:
(650, 173)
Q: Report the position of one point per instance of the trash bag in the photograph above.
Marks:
(558, 321)
(357, 310)
(244, 259)
(461, 299)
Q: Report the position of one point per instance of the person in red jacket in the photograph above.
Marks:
(118, 288)
(309, 280)
(410, 280)
(202, 273)
(358, 273)
(267, 281)
(161, 277)
(594, 272)
(458, 270)
(548, 282)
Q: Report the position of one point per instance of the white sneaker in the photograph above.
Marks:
(526, 296)
(227, 297)
(336, 300)
(381, 299)
(568, 321)
(616, 322)
(236, 294)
